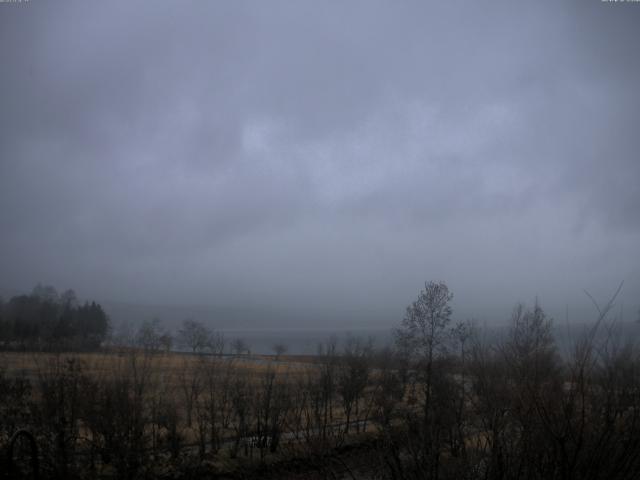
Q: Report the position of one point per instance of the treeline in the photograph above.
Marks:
(44, 320)
(441, 403)
(514, 408)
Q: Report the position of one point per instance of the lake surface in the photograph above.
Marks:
(300, 341)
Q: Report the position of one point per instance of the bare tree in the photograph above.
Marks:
(270, 405)
(166, 342)
(190, 382)
(423, 329)
(149, 334)
(117, 414)
(240, 422)
(239, 346)
(325, 389)
(353, 377)
(61, 386)
(215, 408)
(198, 338)
(423, 335)
(279, 349)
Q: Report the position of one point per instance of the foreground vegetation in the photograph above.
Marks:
(443, 403)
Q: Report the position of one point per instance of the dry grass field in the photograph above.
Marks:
(30, 364)
(227, 409)
(175, 375)
(169, 368)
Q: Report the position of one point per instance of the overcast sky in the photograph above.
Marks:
(323, 155)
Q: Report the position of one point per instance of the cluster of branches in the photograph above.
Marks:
(151, 337)
(45, 319)
(513, 408)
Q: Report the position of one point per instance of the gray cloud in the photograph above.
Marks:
(320, 156)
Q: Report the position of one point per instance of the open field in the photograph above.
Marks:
(167, 365)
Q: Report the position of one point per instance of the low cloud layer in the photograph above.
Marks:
(321, 156)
